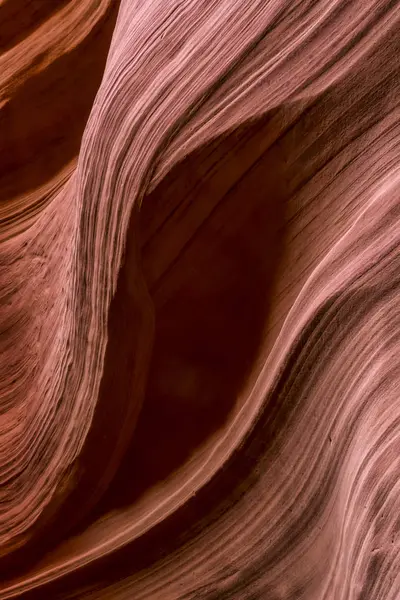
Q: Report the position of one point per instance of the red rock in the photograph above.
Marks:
(199, 321)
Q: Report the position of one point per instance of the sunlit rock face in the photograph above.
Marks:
(200, 314)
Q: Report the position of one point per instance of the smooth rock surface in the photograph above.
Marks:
(200, 316)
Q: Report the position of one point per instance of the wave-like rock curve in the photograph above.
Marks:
(199, 319)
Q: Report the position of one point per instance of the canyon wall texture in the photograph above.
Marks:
(200, 310)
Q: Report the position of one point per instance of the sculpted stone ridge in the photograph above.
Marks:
(199, 274)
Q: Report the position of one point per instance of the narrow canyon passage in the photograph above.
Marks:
(199, 268)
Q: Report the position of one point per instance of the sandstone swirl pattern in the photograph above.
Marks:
(200, 316)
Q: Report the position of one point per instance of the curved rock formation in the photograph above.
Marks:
(199, 300)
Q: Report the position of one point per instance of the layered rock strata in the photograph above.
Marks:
(199, 269)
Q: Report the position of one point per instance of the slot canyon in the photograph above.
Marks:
(200, 299)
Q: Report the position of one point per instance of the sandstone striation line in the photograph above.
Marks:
(200, 274)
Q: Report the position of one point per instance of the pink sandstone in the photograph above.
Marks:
(200, 317)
